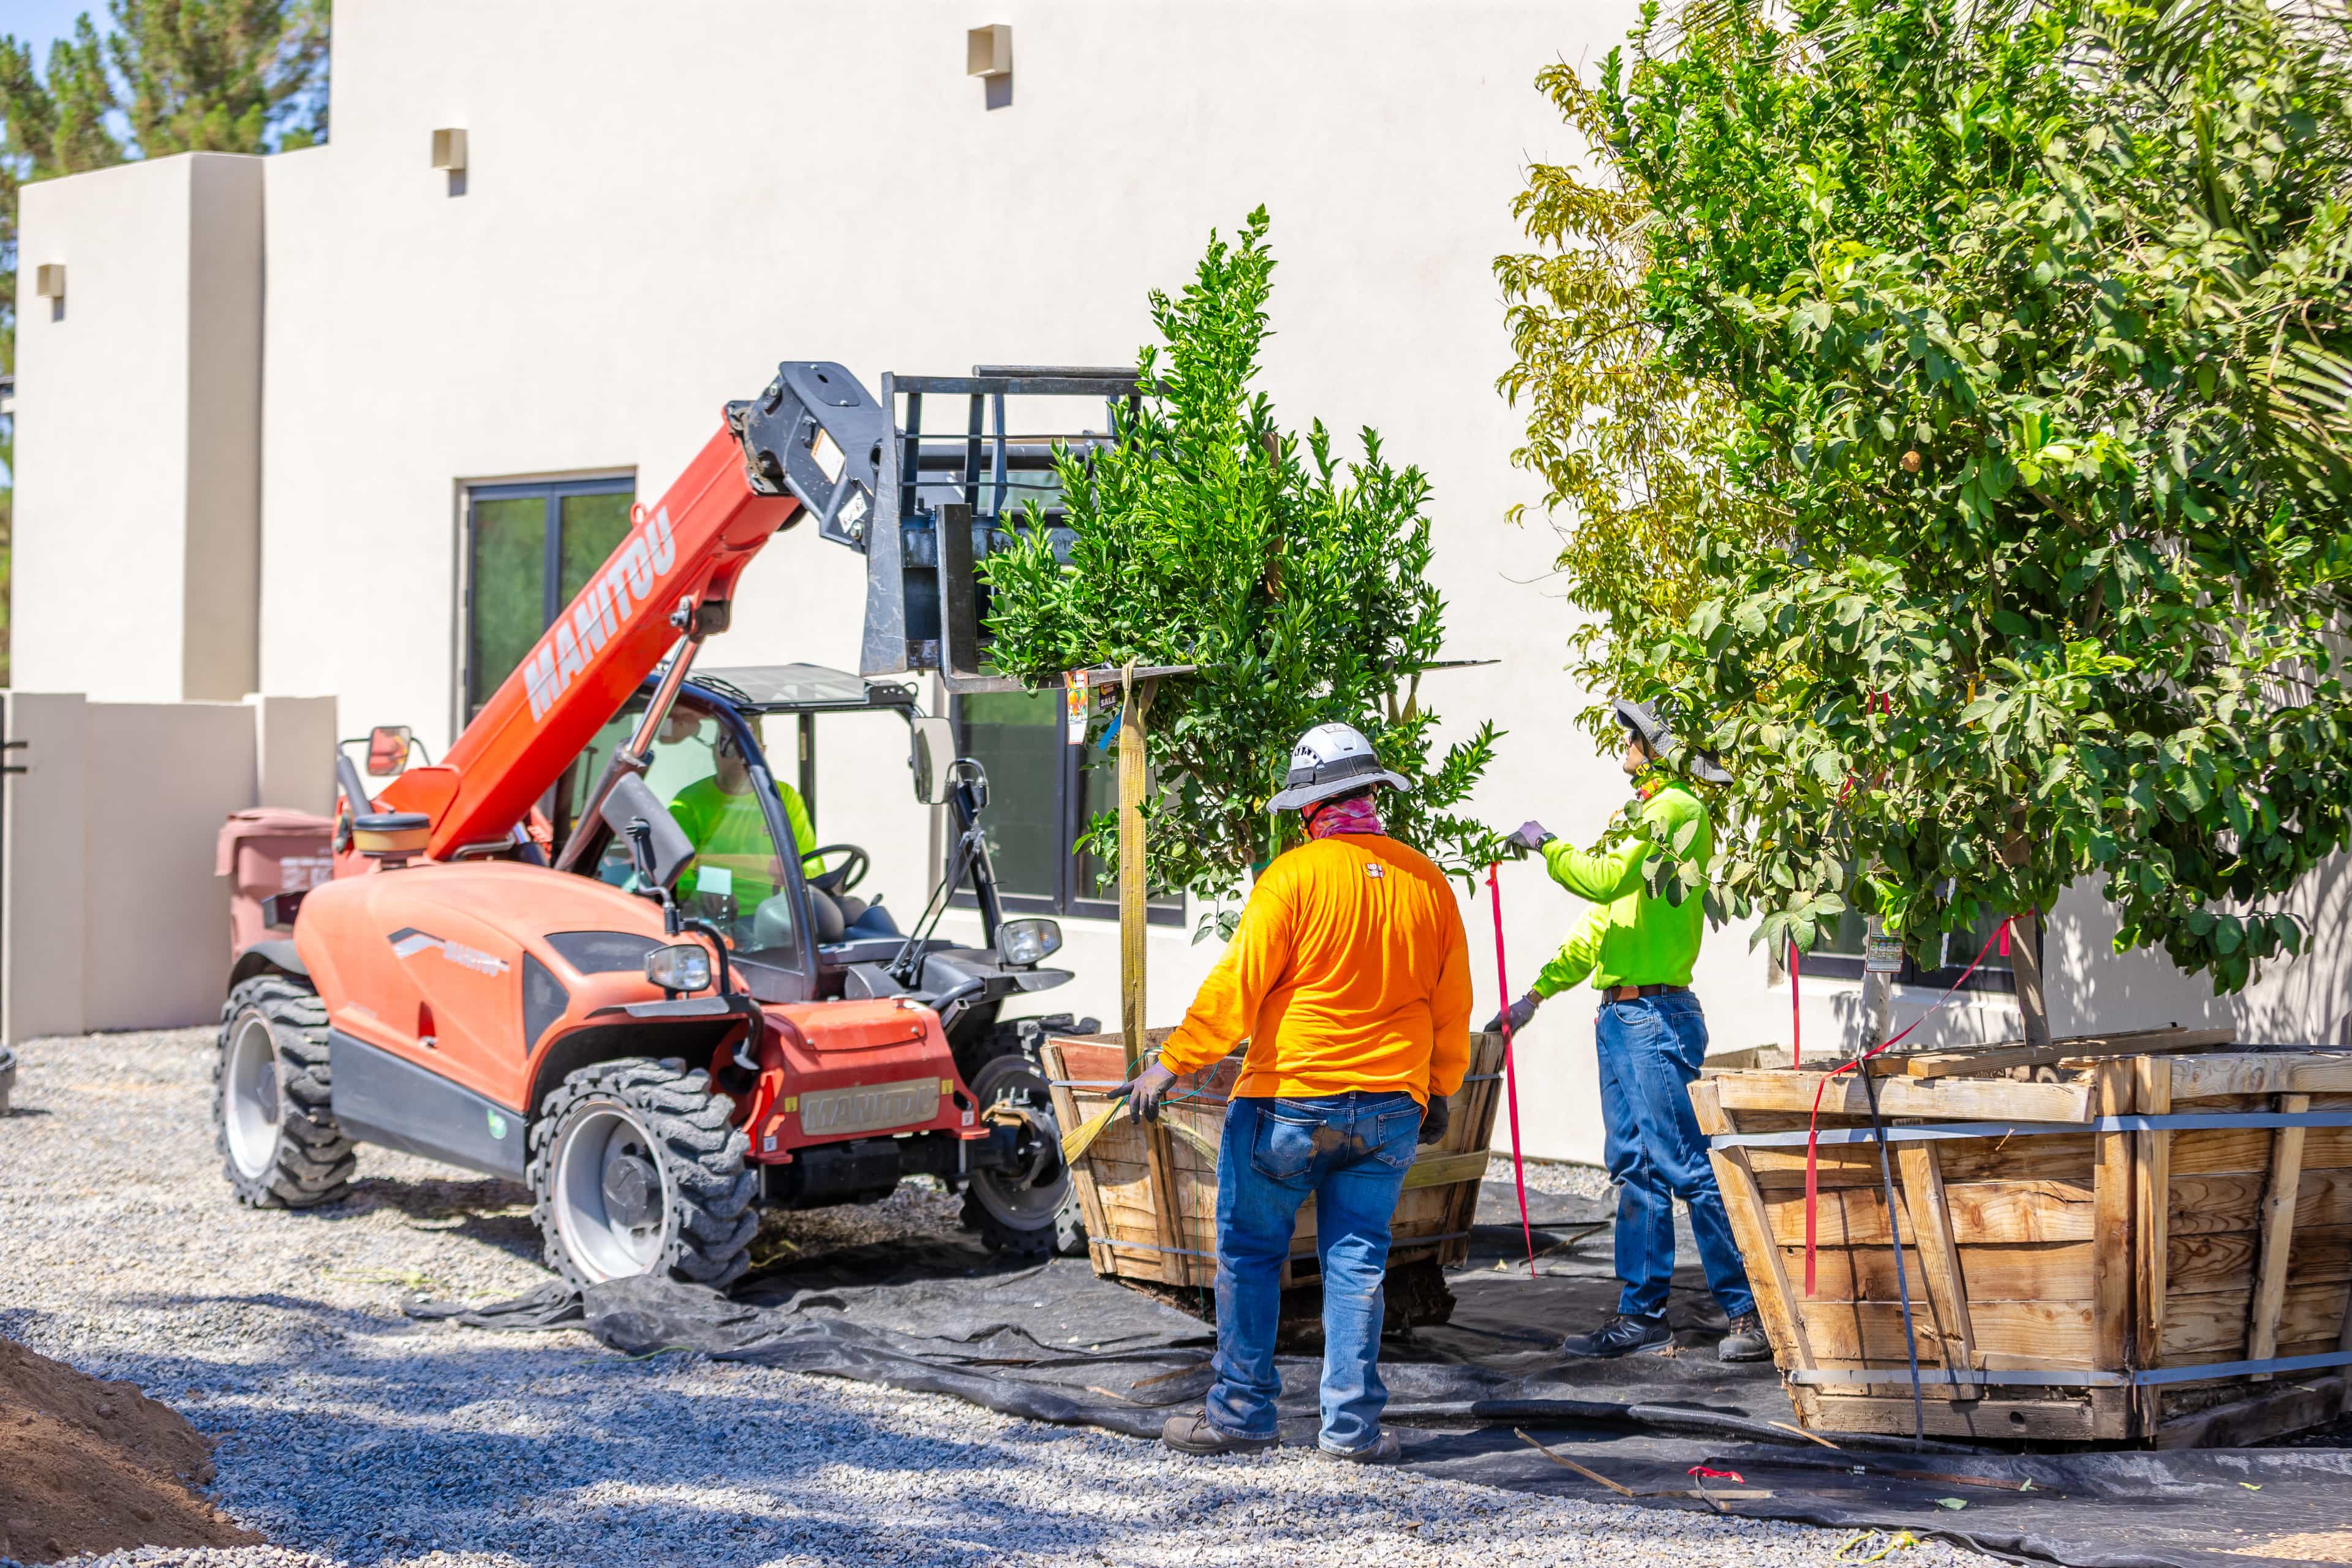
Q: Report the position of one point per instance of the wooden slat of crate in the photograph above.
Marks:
(2226, 1262)
(1149, 1193)
(1932, 1099)
(1768, 1278)
(2005, 1056)
(2055, 1420)
(2262, 1072)
(1980, 1211)
(2214, 1325)
(1997, 1271)
(2009, 1334)
(1924, 1198)
(2066, 1157)
(2200, 1205)
(2225, 1150)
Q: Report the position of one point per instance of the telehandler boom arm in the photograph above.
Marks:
(808, 443)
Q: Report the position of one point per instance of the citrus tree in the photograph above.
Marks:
(1205, 534)
(2024, 550)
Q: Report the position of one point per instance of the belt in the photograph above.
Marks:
(1635, 993)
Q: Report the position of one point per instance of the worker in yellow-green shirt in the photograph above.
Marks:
(1639, 951)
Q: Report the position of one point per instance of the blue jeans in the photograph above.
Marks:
(1348, 1152)
(1650, 1053)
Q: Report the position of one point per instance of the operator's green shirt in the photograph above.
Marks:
(1630, 937)
(730, 833)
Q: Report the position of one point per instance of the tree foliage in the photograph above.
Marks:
(1203, 533)
(171, 76)
(2029, 322)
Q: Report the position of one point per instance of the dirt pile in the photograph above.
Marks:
(87, 1466)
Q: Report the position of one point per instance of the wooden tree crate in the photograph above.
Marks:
(2085, 1276)
(1150, 1192)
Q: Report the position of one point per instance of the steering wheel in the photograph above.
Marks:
(847, 875)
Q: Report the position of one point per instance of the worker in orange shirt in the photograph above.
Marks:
(1350, 977)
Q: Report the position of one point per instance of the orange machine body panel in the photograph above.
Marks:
(427, 962)
(835, 1070)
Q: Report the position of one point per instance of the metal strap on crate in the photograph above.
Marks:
(2146, 1377)
(2176, 1121)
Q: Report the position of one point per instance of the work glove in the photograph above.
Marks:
(1435, 1120)
(1145, 1091)
(1531, 836)
(1519, 1013)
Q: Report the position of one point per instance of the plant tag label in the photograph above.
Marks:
(1882, 955)
(1074, 707)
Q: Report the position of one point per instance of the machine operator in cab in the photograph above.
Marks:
(721, 818)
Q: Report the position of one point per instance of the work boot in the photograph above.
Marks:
(1622, 1334)
(1194, 1434)
(1384, 1450)
(1744, 1341)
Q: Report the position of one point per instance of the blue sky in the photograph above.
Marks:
(39, 21)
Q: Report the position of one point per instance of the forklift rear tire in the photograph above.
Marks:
(636, 1169)
(280, 1143)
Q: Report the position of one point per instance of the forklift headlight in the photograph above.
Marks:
(684, 967)
(1027, 941)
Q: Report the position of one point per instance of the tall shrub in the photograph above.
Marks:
(2031, 324)
(1297, 582)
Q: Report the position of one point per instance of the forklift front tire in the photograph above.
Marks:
(280, 1143)
(636, 1169)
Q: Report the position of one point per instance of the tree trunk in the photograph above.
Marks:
(2025, 962)
(1131, 776)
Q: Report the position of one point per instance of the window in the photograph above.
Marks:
(1041, 795)
(1839, 952)
(528, 549)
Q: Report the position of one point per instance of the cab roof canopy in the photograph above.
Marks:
(800, 689)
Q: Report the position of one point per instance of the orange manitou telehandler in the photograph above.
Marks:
(587, 951)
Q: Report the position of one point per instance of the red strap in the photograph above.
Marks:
(1716, 1475)
(1813, 1126)
(1510, 1079)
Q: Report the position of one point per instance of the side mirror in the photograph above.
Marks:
(387, 750)
(933, 757)
(657, 843)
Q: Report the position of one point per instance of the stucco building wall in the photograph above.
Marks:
(660, 205)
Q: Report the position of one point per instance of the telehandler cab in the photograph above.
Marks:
(525, 965)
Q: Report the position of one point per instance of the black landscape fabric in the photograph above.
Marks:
(1051, 1342)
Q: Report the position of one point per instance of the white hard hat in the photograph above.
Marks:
(1331, 759)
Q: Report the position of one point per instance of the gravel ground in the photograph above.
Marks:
(352, 1436)
(1559, 1178)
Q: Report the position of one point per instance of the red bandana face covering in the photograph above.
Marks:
(1358, 815)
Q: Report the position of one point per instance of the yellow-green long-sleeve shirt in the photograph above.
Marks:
(1350, 971)
(1630, 937)
(728, 832)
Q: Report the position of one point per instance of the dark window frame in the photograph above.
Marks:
(1069, 803)
(552, 601)
(1848, 966)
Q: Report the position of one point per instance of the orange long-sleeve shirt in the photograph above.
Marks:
(1350, 971)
